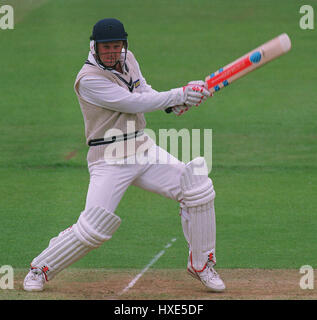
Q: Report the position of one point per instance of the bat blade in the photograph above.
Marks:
(247, 63)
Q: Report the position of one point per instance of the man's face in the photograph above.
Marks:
(109, 52)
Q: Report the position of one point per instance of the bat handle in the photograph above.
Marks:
(169, 110)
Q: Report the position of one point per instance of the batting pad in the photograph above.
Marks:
(94, 226)
(198, 197)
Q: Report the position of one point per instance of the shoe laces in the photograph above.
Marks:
(36, 274)
(210, 273)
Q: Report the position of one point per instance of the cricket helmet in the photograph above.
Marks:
(108, 29)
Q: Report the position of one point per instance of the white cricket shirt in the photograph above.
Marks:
(103, 92)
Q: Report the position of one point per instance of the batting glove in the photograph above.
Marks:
(179, 110)
(195, 93)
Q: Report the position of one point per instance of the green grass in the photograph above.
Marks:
(264, 130)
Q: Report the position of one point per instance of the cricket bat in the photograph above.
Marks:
(247, 63)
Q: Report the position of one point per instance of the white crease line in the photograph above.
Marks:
(133, 282)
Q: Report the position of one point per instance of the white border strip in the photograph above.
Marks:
(133, 282)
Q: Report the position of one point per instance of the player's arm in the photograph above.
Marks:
(182, 108)
(104, 93)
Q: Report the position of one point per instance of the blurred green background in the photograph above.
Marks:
(264, 130)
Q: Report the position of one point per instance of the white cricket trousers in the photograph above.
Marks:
(160, 174)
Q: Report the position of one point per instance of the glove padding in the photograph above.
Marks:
(179, 110)
(195, 93)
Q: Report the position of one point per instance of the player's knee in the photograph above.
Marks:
(197, 187)
(95, 226)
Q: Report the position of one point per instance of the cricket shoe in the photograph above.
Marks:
(34, 280)
(208, 276)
